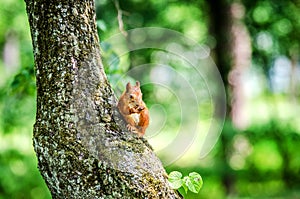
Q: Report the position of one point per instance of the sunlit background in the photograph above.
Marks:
(255, 45)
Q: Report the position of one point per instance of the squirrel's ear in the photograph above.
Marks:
(128, 86)
(137, 83)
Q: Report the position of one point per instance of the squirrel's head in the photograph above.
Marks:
(134, 93)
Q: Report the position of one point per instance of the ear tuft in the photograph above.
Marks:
(128, 86)
(137, 83)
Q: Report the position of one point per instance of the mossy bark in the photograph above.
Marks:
(82, 147)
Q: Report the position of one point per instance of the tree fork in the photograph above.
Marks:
(82, 146)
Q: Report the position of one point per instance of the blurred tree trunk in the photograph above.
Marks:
(294, 82)
(241, 60)
(11, 53)
(79, 141)
(232, 55)
(220, 29)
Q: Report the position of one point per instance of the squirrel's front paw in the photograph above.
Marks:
(131, 128)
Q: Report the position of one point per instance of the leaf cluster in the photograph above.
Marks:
(192, 182)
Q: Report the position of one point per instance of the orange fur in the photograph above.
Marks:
(133, 109)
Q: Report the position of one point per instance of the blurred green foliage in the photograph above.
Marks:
(262, 160)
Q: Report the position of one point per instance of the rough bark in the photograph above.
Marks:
(82, 148)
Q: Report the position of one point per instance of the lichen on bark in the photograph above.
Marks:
(82, 145)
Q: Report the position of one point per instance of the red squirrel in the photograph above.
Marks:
(133, 109)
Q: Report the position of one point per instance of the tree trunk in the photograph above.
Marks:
(241, 60)
(82, 146)
(233, 57)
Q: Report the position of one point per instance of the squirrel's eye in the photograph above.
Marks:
(131, 96)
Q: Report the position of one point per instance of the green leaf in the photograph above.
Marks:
(185, 184)
(175, 180)
(175, 175)
(189, 184)
(176, 184)
(196, 181)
